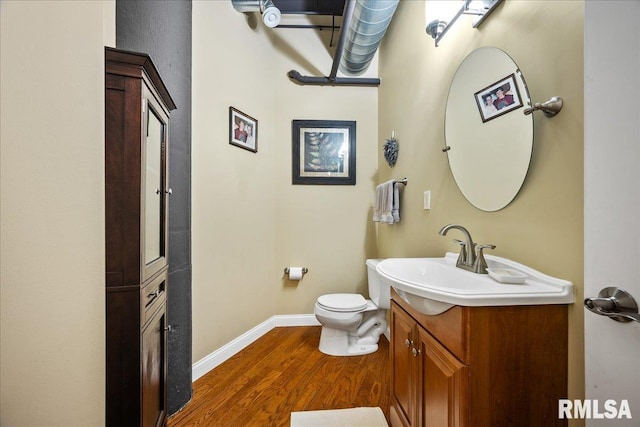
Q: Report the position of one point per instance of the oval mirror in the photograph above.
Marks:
(489, 140)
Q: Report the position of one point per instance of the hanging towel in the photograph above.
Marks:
(395, 207)
(387, 203)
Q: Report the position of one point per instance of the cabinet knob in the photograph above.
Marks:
(408, 342)
(168, 328)
(169, 191)
(415, 352)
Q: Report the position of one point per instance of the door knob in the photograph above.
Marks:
(614, 303)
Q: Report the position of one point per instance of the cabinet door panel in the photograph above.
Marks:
(155, 186)
(444, 385)
(402, 365)
(154, 371)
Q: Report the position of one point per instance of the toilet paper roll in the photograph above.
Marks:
(295, 273)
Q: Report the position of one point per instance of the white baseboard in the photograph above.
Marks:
(216, 358)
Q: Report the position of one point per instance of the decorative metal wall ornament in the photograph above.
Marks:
(390, 150)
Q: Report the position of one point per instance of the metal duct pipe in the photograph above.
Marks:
(270, 13)
(364, 24)
(327, 81)
(370, 21)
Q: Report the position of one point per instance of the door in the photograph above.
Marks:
(154, 370)
(442, 397)
(402, 366)
(155, 186)
(612, 201)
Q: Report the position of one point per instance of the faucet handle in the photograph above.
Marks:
(462, 257)
(485, 246)
(480, 266)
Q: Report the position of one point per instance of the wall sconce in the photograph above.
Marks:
(441, 14)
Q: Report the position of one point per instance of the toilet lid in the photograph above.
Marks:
(343, 302)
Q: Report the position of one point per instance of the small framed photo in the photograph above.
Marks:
(498, 98)
(243, 130)
(324, 152)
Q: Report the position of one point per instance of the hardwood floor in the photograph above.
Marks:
(283, 372)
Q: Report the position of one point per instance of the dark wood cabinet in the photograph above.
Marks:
(137, 106)
(478, 366)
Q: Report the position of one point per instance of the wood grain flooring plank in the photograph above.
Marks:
(281, 372)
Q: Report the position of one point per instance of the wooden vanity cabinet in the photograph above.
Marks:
(429, 384)
(478, 366)
(137, 106)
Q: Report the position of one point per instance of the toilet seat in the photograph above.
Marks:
(342, 302)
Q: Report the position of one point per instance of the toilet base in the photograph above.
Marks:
(335, 342)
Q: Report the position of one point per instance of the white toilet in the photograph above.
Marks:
(352, 325)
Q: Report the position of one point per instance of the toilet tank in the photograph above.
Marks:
(379, 292)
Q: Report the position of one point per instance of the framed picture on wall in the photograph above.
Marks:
(324, 152)
(498, 98)
(243, 130)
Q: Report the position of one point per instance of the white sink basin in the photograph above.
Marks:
(433, 285)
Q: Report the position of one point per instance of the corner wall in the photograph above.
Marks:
(52, 298)
(543, 226)
(162, 29)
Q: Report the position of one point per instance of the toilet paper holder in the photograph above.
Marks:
(305, 270)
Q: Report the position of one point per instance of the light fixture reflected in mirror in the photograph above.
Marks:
(441, 14)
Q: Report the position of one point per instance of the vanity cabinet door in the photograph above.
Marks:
(429, 385)
(403, 366)
(443, 389)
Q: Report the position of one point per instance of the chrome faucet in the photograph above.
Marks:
(468, 259)
(467, 249)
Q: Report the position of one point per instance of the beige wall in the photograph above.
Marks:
(542, 227)
(232, 189)
(52, 211)
(327, 229)
(249, 222)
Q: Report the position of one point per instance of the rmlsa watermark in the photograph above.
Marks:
(591, 409)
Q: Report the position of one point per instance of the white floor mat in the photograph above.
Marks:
(353, 417)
